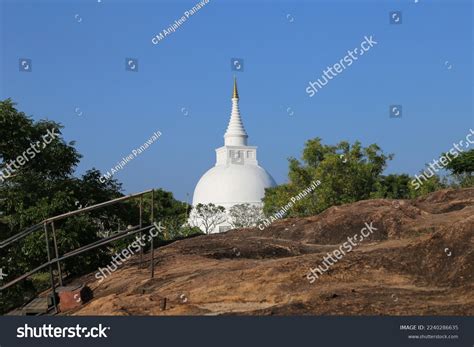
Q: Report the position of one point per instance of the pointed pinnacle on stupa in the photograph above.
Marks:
(235, 94)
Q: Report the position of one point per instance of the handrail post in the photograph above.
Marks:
(140, 224)
(152, 261)
(60, 273)
(53, 287)
(152, 207)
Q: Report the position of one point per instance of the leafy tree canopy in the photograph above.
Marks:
(43, 186)
(462, 169)
(347, 173)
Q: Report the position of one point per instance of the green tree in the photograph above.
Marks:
(393, 187)
(172, 213)
(245, 215)
(36, 181)
(208, 216)
(462, 168)
(44, 186)
(347, 173)
(429, 185)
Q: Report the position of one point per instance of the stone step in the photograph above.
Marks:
(35, 307)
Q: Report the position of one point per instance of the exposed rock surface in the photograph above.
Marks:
(419, 261)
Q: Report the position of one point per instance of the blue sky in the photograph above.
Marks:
(78, 51)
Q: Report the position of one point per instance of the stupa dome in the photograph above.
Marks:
(228, 185)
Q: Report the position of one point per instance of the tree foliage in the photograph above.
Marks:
(208, 216)
(245, 215)
(45, 186)
(462, 168)
(462, 164)
(393, 186)
(347, 173)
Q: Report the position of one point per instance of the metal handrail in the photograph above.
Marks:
(35, 227)
(78, 251)
(20, 235)
(96, 206)
(57, 259)
(111, 237)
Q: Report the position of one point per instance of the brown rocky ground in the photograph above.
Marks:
(420, 261)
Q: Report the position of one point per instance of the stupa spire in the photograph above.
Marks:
(235, 94)
(235, 134)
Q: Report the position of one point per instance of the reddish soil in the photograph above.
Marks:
(420, 261)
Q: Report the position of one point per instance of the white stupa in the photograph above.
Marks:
(236, 178)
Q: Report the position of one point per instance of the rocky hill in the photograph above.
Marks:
(418, 261)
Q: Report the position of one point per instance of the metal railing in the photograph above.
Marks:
(58, 259)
